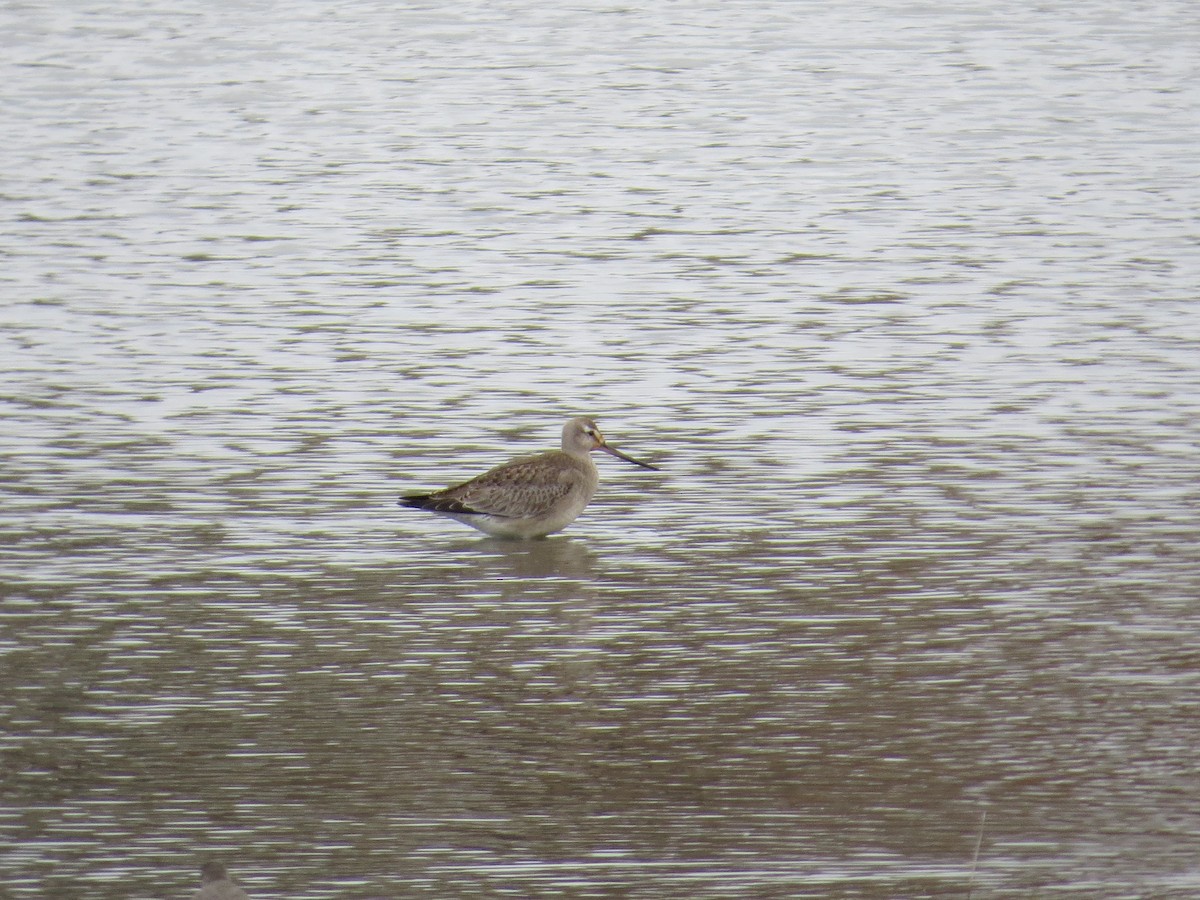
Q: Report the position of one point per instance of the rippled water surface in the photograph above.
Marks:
(902, 299)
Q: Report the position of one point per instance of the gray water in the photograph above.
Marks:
(902, 298)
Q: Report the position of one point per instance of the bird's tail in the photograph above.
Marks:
(440, 503)
(415, 501)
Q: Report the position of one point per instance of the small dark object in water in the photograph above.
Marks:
(218, 885)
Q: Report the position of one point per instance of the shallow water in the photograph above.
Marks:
(901, 298)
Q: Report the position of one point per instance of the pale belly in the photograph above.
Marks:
(523, 529)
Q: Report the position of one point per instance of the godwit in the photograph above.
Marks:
(531, 496)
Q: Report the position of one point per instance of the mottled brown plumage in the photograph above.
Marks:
(531, 496)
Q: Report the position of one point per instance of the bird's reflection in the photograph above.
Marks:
(549, 558)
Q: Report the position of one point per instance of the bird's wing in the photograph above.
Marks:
(516, 490)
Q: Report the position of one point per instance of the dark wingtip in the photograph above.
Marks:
(434, 503)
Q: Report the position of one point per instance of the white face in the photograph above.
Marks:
(590, 429)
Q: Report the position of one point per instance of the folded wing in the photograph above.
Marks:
(516, 490)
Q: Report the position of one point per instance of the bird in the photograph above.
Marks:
(530, 496)
(217, 885)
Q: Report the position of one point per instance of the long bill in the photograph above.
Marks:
(613, 451)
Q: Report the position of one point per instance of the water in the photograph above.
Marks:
(901, 298)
